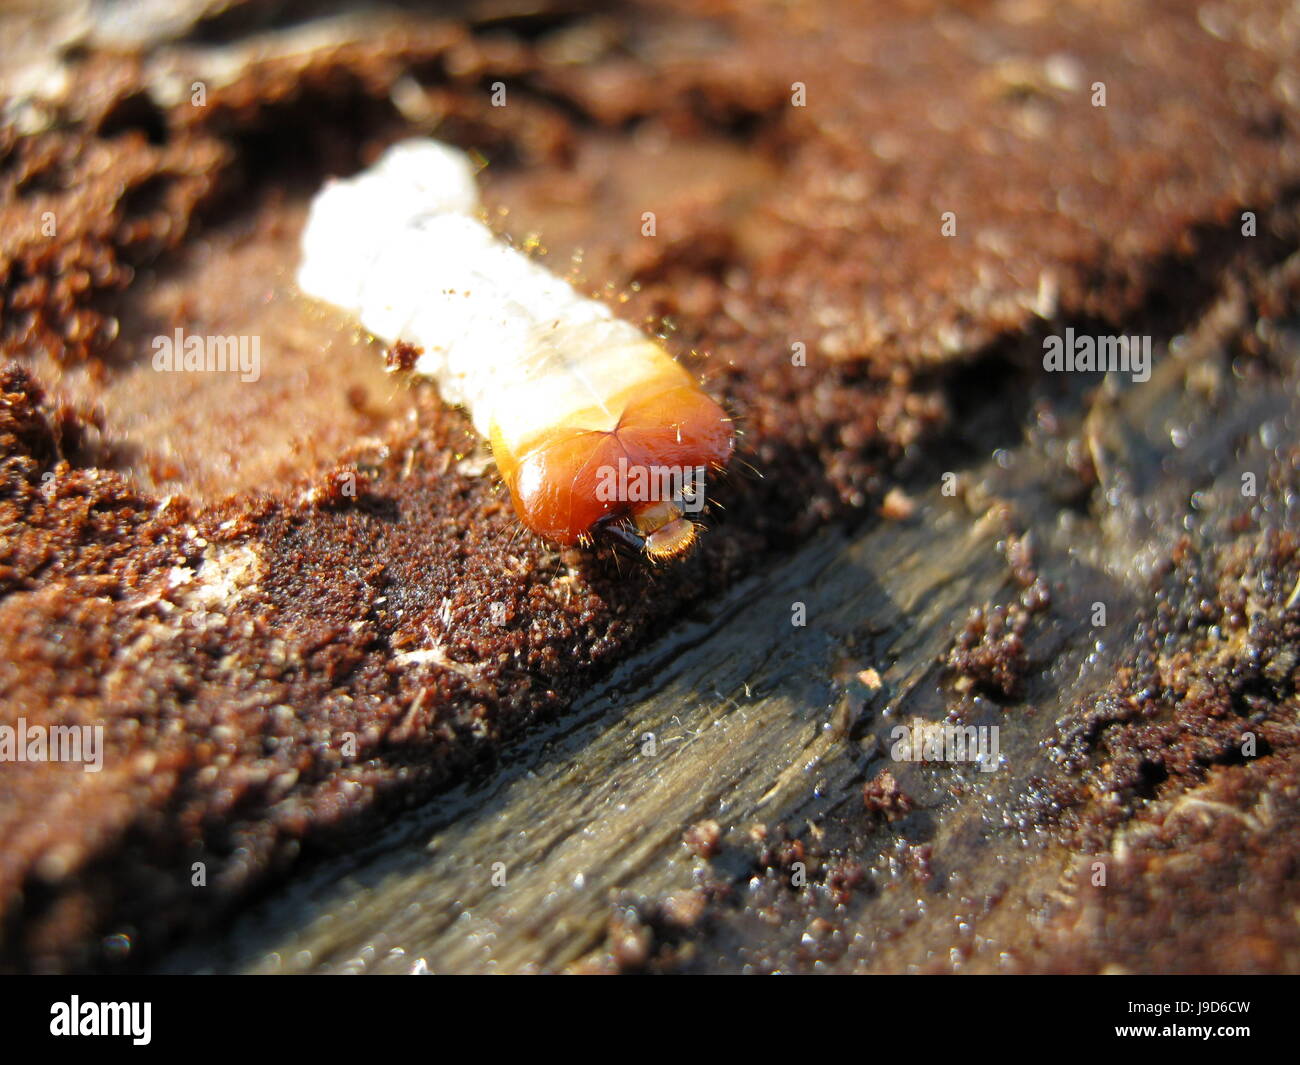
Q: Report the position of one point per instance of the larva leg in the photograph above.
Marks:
(617, 530)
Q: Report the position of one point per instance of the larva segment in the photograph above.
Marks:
(584, 411)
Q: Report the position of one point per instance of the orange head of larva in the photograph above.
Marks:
(638, 482)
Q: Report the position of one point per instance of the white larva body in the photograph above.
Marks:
(561, 388)
(401, 246)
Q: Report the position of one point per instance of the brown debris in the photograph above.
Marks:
(882, 795)
(989, 654)
(703, 838)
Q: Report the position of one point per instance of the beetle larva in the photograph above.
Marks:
(594, 427)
